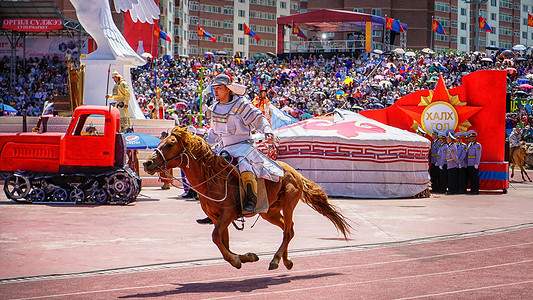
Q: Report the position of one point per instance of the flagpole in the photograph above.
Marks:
(527, 32)
(290, 41)
(431, 43)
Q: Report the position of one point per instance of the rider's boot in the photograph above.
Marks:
(250, 187)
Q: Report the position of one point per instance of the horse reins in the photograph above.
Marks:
(164, 169)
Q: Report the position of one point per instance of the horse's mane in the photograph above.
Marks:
(210, 162)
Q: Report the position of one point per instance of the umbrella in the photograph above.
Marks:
(433, 79)
(378, 105)
(379, 77)
(519, 59)
(377, 51)
(385, 83)
(529, 76)
(348, 80)
(375, 86)
(141, 141)
(492, 47)
(399, 51)
(508, 53)
(526, 86)
(209, 54)
(522, 81)
(410, 54)
(519, 47)
(8, 108)
(272, 55)
(147, 55)
(319, 93)
(399, 77)
(487, 59)
(427, 51)
(358, 107)
(220, 52)
(508, 61)
(511, 71)
(520, 94)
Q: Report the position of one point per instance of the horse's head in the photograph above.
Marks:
(523, 148)
(167, 154)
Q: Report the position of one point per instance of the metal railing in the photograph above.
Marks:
(328, 46)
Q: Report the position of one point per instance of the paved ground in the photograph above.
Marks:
(447, 246)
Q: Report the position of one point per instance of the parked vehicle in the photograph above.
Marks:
(86, 164)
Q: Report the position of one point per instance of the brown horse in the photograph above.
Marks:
(519, 158)
(218, 190)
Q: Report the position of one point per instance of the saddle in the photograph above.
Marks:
(262, 197)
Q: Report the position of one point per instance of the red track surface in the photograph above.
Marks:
(446, 247)
(491, 265)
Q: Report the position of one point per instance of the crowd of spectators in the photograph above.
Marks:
(36, 80)
(301, 87)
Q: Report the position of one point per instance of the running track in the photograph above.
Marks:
(496, 264)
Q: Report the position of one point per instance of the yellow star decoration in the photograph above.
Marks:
(441, 96)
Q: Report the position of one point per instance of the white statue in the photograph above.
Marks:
(95, 17)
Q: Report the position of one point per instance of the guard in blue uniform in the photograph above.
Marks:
(473, 157)
(434, 169)
(441, 163)
(461, 155)
(452, 162)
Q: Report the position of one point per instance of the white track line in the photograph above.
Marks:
(317, 270)
(387, 280)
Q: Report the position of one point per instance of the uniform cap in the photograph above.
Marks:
(459, 134)
(472, 133)
(450, 135)
(115, 74)
(442, 135)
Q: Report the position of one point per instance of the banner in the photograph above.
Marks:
(40, 47)
(31, 25)
(518, 102)
(478, 104)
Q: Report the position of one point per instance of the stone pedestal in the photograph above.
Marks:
(96, 79)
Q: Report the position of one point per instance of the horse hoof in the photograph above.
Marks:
(253, 256)
(288, 264)
(273, 266)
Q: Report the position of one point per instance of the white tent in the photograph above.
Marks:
(353, 156)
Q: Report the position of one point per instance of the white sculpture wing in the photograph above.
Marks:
(140, 10)
(117, 43)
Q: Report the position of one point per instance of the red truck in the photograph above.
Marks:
(86, 164)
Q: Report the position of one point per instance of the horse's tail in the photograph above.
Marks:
(315, 197)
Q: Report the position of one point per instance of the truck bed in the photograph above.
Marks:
(30, 151)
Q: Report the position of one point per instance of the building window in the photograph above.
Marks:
(228, 24)
(439, 6)
(493, 2)
(517, 33)
(359, 10)
(483, 13)
(506, 17)
(524, 8)
(240, 26)
(506, 3)
(493, 16)
(453, 39)
(463, 26)
(282, 4)
(193, 20)
(240, 41)
(454, 24)
(454, 9)
(376, 12)
(441, 37)
(463, 11)
(242, 1)
(376, 33)
(506, 31)
(524, 35)
(194, 6)
(228, 10)
(445, 22)
(242, 13)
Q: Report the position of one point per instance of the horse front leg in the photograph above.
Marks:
(286, 224)
(220, 237)
(523, 171)
(512, 170)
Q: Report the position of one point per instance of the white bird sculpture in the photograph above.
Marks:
(95, 17)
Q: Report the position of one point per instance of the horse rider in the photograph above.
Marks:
(461, 155)
(233, 117)
(434, 169)
(452, 162)
(473, 157)
(121, 96)
(48, 111)
(441, 163)
(514, 140)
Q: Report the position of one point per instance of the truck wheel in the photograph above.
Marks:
(17, 187)
(99, 196)
(60, 195)
(77, 195)
(37, 195)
